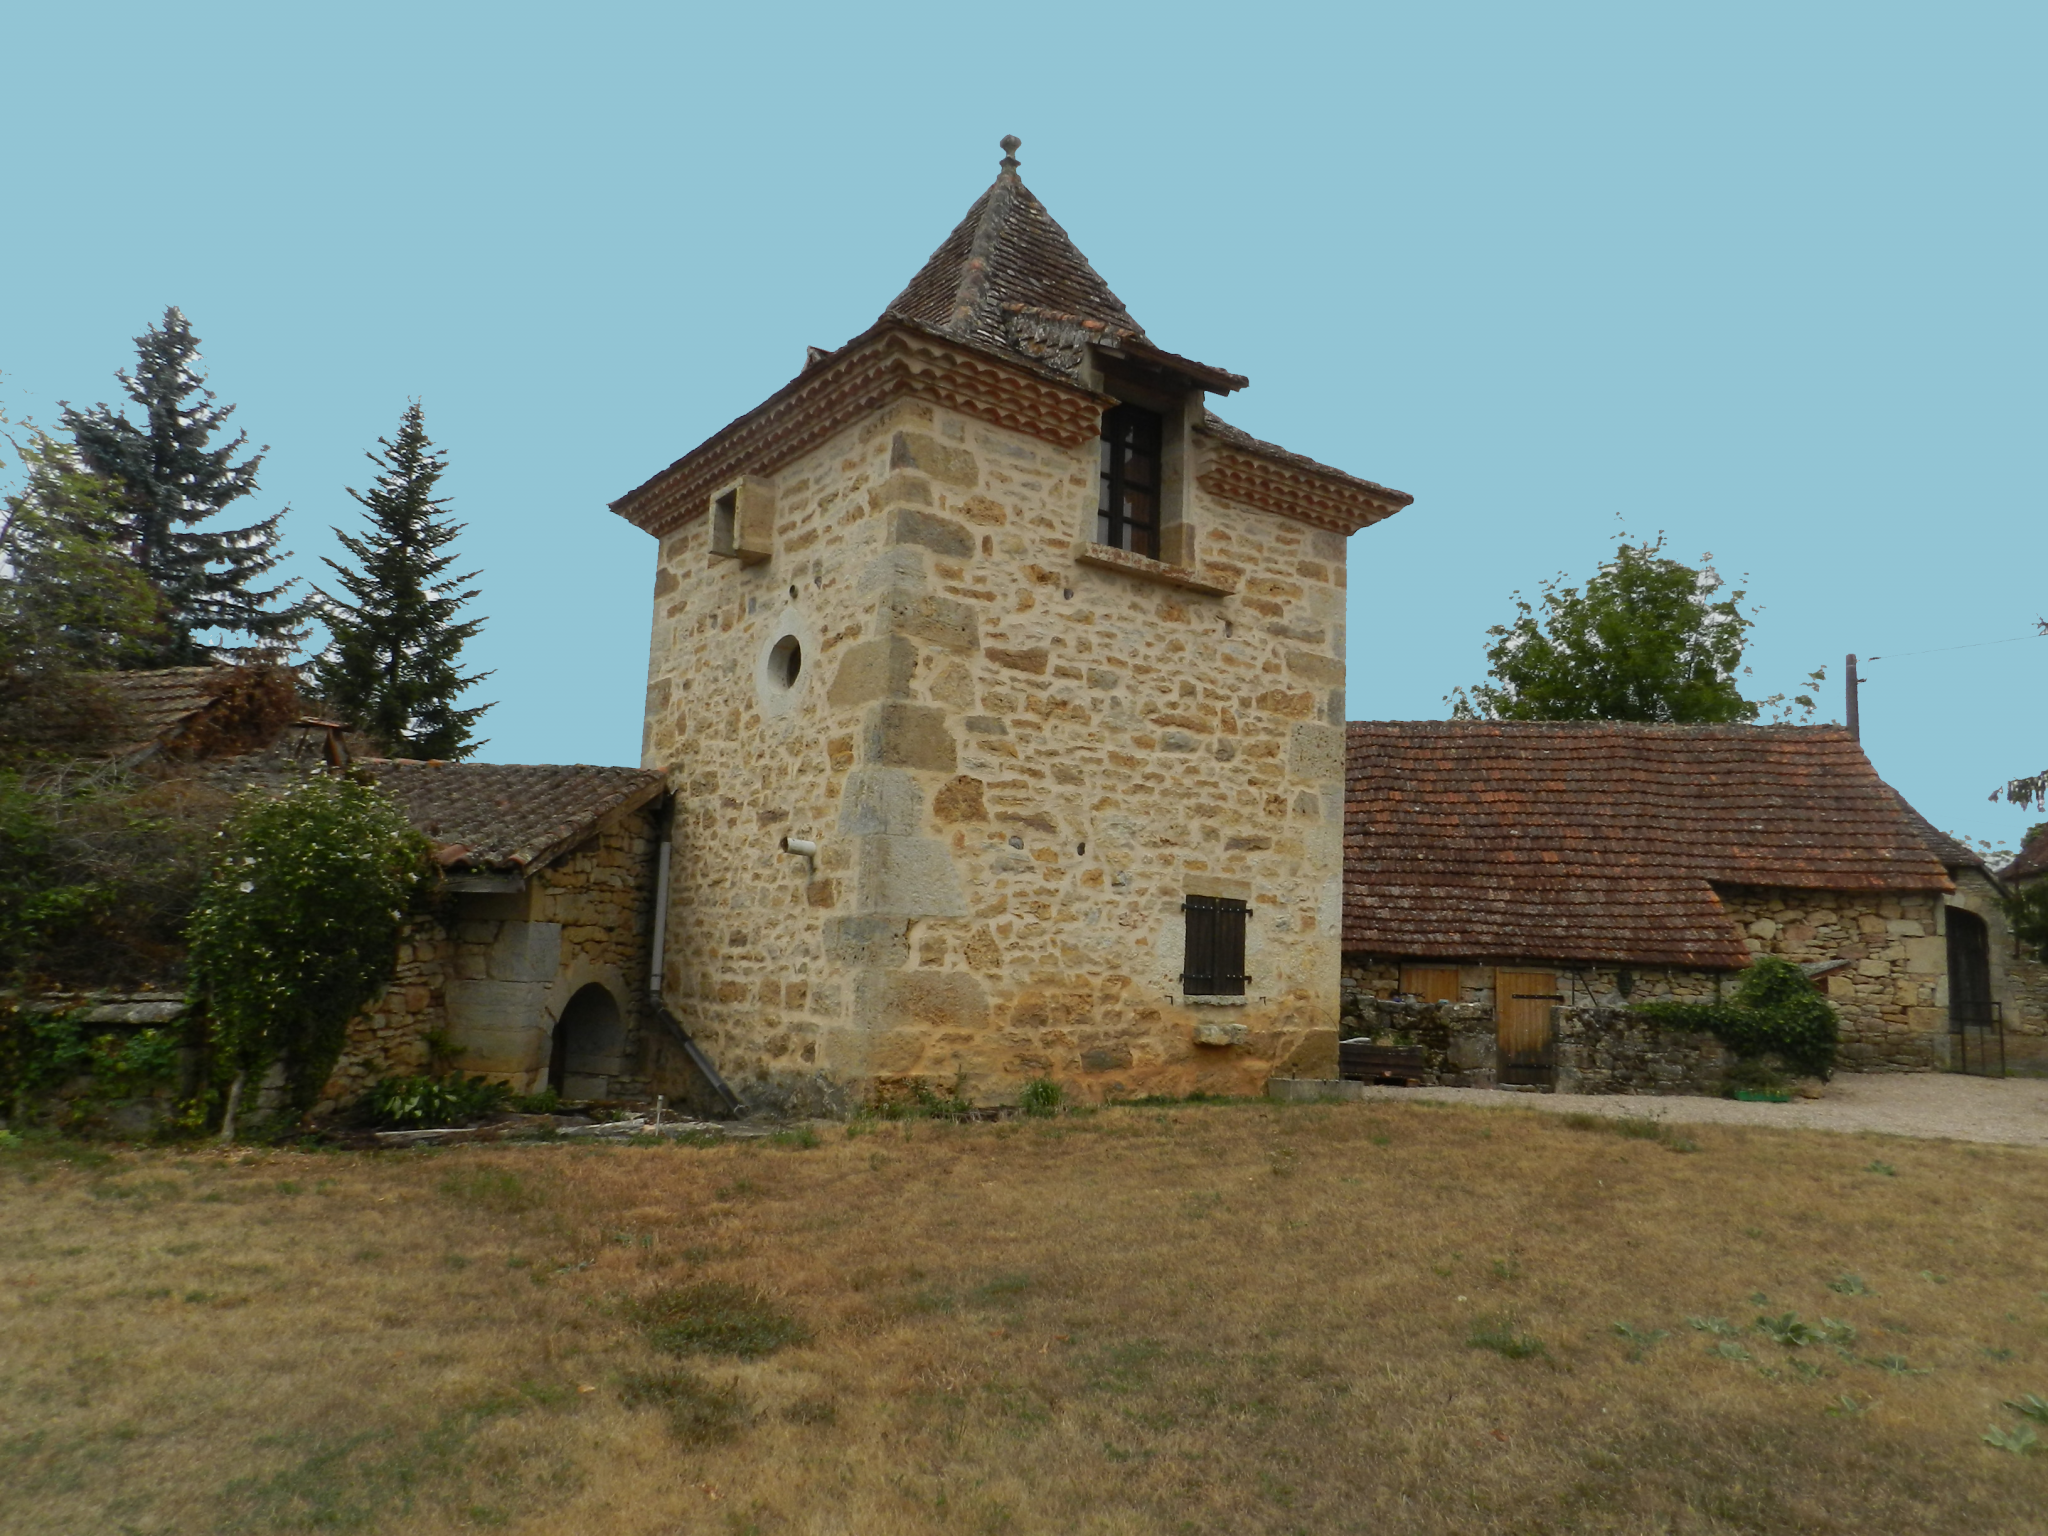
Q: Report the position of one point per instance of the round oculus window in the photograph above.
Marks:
(785, 662)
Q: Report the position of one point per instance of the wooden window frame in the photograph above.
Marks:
(1114, 527)
(1213, 956)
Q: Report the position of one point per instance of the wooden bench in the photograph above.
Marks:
(1360, 1061)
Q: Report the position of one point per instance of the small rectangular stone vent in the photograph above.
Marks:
(743, 521)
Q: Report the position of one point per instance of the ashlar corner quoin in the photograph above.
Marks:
(1001, 689)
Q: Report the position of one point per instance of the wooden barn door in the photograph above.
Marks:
(1522, 1001)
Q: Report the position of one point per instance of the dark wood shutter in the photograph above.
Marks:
(1214, 966)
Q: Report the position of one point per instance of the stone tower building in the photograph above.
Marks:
(1001, 689)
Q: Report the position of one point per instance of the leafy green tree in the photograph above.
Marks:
(1645, 639)
(297, 927)
(392, 667)
(71, 605)
(2027, 910)
(168, 480)
(71, 599)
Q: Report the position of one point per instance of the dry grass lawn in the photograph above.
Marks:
(1377, 1318)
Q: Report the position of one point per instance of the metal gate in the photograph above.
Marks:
(1976, 1023)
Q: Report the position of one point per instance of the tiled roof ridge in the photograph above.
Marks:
(1573, 840)
(970, 292)
(1733, 730)
(1009, 255)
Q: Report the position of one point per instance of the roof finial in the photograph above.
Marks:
(1011, 144)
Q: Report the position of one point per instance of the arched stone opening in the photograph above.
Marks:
(588, 1048)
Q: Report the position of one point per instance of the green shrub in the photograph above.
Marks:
(546, 1102)
(406, 1102)
(44, 1051)
(297, 927)
(1041, 1097)
(1776, 1012)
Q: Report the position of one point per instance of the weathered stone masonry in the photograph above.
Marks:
(1015, 765)
(498, 978)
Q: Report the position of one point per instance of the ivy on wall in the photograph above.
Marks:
(297, 927)
(1775, 1012)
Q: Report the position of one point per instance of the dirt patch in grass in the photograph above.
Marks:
(1385, 1318)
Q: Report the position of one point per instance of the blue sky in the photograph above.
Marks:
(1766, 277)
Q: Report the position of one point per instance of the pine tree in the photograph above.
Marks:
(169, 481)
(391, 667)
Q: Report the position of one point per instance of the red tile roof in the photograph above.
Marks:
(2033, 860)
(1009, 283)
(1010, 279)
(1596, 842)
(509, 816)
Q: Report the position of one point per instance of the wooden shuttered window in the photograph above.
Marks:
(1214, 966)
(1433, 983)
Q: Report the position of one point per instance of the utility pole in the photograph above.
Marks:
(1849, 681)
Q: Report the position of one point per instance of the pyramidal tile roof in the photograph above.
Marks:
(1009, 278)
(1009, 261)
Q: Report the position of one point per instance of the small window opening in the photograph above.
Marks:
(786, 662)
(1127, 500)
(724, 533)
(1214, 964)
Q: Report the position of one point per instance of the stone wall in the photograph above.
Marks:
(497, 979)
(517, 962)
(390, 1037)
(1457, 1039)
(2019, 978)
(1893, 999)
(1598, 1049)
(1016, 765)
(1584, 986)
(1616, 1050)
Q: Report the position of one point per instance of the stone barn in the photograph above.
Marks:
(1527, 867)
(1000, 684)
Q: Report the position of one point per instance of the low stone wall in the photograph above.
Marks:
(1457, 1039)
(1616, 1050)
(1598, 1049)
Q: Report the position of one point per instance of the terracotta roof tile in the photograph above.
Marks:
(1008, 278)
(1215, 426)
(510, 815)
(155, 703)
(1599, 842)
(2032, 862)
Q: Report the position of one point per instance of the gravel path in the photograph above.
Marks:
(1935, 1105)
